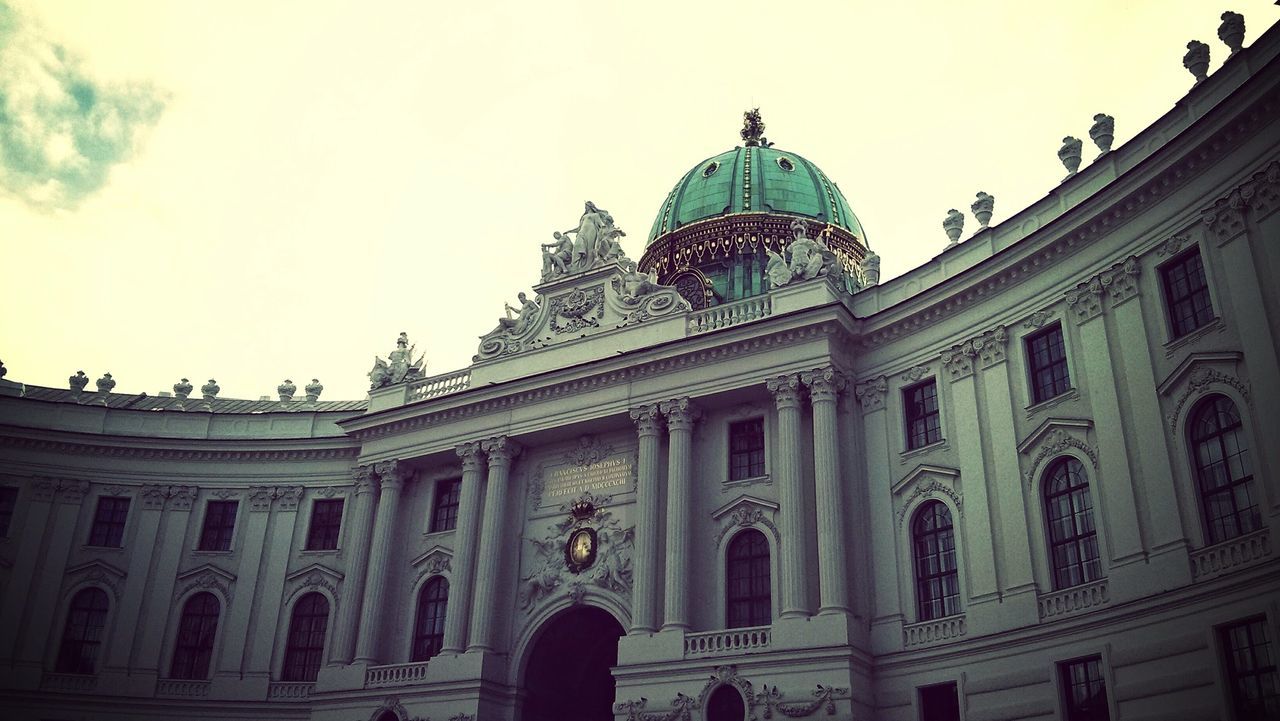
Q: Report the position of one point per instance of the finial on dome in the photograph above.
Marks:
(753, 129)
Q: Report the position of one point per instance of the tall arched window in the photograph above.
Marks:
(1073, 541)
(82, 636)
(194, 647)
(1227, 496)
(305, 649)
(428, 628)
(934, 542)
(748, 601)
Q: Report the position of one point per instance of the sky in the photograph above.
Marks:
(253, 191)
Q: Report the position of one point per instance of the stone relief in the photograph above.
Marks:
(589, 451)
(924, 491)
(312, 578)
(399, 366)
(205, 578)
(1038, 319)
(1200, 378)
(871, 393)
(1173, 245)
(765, 703)
(914, 373)
(804, 258)
(745, 515)
(577, 310)
(611, 570)
(95, 573)
(1056, 442)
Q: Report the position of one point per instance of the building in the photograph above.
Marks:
(1033, 478)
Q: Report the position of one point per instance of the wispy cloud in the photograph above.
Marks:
(61, 131)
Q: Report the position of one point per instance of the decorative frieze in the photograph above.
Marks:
(767, 703)
(61, 489)
(261, 498)
(870, 393)
(914, 373)
(1118, 283)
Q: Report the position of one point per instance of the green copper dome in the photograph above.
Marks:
(754, 179)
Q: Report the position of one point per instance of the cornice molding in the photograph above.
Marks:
(119, 448)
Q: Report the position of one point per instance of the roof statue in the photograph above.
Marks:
(753, 129)
(870, 269)
(78, 381)
(594, 242)
(556, 256)
(398, 367)
(804, 258)
(636, 283)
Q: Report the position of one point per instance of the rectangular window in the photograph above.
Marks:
(108, 522)
(8, 499)
(1084, 692)
(1251, 670)
(746, 449)
(939, 703)
(1186, 293)
(1047, 361)
(923, 421)
(445, 516)
(326, 521)
(219, 524)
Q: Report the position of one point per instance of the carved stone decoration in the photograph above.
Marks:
(1103, 132)
(313, 390)
(393, 472)
(953, 224)
(753, 129)
(871, 270)
(1266, 196)
(1085, 300)
(931, 489)
(824, 699)
(648, 419)
(286, 390)
(1038, 319)
(824, 383)
(105, 383)
(460, 717)
(1200, 378)
(761, 705)
(288, 497)
(392, 704)
(870, 393)
(98, 573)
(991, 346)
(210, 390)
(78, 381)
(786, 390)
(588, 452)
(914, 373)
(311, 578)
(400, 365)
(1226, 218)
(1055, 443)
(610, 569)
(745, 515)
(204, 578)
(958, 360)
(1070, 154)
(1173, 245)
(182, 389)
(1120, 281)
(61, 489)
(594, 243)
(804, 258)
(156, 497)
(982, 208)
(1196, 61)
(577, 310)
(1231, 31)
(3, 371)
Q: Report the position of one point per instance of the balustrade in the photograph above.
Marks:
(927, 633)
(440, 385)
(723, 316)
(395, 674)
(182, 688)
(734, 640)
(1071, 600)
(289, 690)
(1223, 557)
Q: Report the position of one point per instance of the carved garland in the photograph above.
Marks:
(1200, 379)
(928, 490)
(581, 308)
(766, 702)
(207, 581)
(745, 516)
(1055, 443)
(610, 571)
(314, 580)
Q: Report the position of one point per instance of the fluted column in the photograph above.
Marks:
(681, 415)
(644, 589)
(466, 538)
(391, 476)
(824, 386)
(493, 542)
(786, 392)
(358, 539)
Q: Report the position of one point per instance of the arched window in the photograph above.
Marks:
(1073, 541)
(428, 628)
(305, 649)
(1227, 496)
(748, 601)
(725, 704)
(83, 633)
(934, 541)
(196, 630)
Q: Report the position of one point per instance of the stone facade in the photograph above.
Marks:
(618, 432)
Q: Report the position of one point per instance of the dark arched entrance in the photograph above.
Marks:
(567, 677)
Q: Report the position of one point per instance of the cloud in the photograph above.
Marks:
(61, 131)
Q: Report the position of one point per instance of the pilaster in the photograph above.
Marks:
(359, 537)
(270, 597)
(235, 641)
(159, 604)
(38, 493)
(38, 624)
(887, 614)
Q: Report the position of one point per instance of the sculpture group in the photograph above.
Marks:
(594, 243)
(802, 259)
(398, 367)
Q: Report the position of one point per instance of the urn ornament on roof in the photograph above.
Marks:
(1102, 132)
(1196, 61)
(1231, 31)
(953, 224)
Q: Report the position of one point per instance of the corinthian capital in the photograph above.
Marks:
(991, 346)
(824, 384)
(958, 360)
(648, 419)
(471, 455)
(786, 390)
(501, 450)
(365, 482)
(681, 413)
(870, 393)
(392, 474)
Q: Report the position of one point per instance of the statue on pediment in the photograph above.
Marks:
(524, 315)
(398, 367)
(556, 256)
(802, 259)
(636, 284)
(594, 242)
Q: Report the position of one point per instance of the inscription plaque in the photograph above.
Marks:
(572, 481)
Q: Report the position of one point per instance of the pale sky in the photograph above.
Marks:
(252, 191)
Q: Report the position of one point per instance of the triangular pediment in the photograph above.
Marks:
(314, 569)
(208, 569)
(97, 567)
(1223, 361)
(744, 500)
(435, 559)
(1075, 426)
(922, 471)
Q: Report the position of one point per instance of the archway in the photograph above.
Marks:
(567, 676)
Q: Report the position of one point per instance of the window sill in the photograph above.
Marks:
(1214, 326)
(317, 551)
(438, 534)
(210, 552)
(100, 549)
(939, 445)
(1070, 394)
(766, 479)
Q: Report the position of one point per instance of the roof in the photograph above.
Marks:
(144, 402)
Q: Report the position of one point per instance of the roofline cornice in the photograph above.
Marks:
(159, 449)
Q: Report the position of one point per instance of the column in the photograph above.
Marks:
(681, 414)
(824, 386)
(39, 622)
(466, 538)
(493, 543)
(1015, 547)
(235, 644)
(1119, 510)
(978, 539)
(391, 477)
(786, 390)
(359, 536)
(644, 588)
(38, 494)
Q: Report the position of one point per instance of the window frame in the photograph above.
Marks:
(291, 669)
(1047, 494)
(1066, 684)
(230, 531)
(918, 583)
(422, 614)
(64, 662)
(312, 532)
(1228, 672)
(190, 654)
(921, 692)
(119, 527)
(1167, 301)
(1029, 354)
(753, 576)
(1248, 483)
(434, 523)
(730, 453)
(907, 419)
